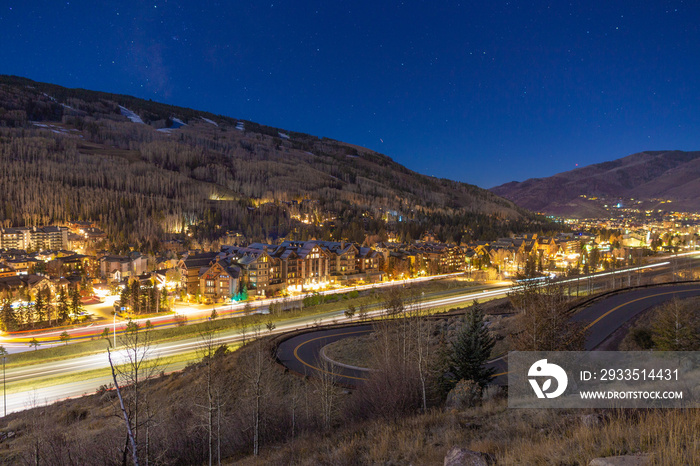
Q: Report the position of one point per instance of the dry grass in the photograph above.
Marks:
(671, 437)
(513, 436)
(353, 350)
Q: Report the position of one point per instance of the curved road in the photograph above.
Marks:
(301, 353)
(609, 314)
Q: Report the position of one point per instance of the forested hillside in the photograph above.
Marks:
(146, 170)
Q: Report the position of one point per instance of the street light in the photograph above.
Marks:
(115, 329)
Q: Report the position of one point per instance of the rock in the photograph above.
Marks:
(625, 460)
(466, 394)
(462, 457)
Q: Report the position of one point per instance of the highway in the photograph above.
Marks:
(37, 377)
(19, 341)
(38, 387)
(301, 353)
(16, 342)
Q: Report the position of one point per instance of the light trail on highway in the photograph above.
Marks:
(40, 372)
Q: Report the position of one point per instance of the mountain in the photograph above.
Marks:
(146, 170)
(649, 178)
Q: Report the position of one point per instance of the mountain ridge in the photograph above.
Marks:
(649, 176)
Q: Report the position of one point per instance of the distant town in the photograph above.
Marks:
(48, 262)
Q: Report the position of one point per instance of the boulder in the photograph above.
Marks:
(462, 457)
(466, 394)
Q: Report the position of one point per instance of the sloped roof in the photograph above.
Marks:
(200, 260)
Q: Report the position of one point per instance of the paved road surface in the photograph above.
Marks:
(42, 396)
(609, 314)
(301, 353)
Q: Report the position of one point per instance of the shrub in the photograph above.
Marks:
(466, 394)
(180, 320)
(642, 337)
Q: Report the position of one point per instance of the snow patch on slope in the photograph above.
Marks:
(58, 129)
(210, 121)
(130, 115)
(177, 123)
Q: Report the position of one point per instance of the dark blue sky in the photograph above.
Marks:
(479, 91)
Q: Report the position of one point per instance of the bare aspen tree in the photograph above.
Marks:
(242, 325)
(127, 419)
(219, 392)
(256, 368)
(137, 367)
(543, 320)
(327, 391)
(362, 311)
(208, 340)
(422, 341)
(294, 395)
(210, 347)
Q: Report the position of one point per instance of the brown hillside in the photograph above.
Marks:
(666, 175)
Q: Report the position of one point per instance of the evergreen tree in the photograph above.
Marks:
(49, 307)
(63, 308)
(65, 337)
(40, 306)
(163, 296)
(76, 307)
(26, 312)
(135, 296)
(472, 348)
(125, 296)
(8, 319)
(152, 299)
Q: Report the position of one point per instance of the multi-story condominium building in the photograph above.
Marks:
(37, 238)
(342, 257)
(49, 238)
(312, 264)
(367, 261)
(14, 238)
(265, 269)
(190, 268)
(299, 265)
(117, 268)
(219, 281)
(255, 265)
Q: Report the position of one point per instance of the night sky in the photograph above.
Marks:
(482, 91)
